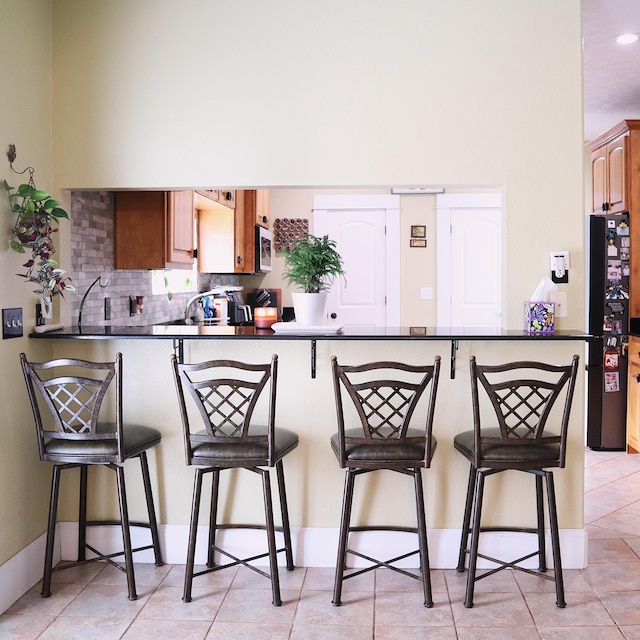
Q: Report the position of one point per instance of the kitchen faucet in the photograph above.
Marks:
(84, 297)
(187, 313)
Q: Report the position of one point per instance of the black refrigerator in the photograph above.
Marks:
(608, 245)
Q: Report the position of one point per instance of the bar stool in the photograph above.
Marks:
(522, 395)
(66, 409)
(385, 396)
(225, 393)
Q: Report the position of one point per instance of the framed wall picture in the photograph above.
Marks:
(417, 242)
(418, 231)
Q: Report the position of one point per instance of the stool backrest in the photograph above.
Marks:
(225, 393)
(522, 395)
(385, 395)
(66, 397)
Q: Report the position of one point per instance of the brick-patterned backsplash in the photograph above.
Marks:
(92, 254)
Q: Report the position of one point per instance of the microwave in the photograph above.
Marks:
(264, 249)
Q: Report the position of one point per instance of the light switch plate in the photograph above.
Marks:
(12, 323)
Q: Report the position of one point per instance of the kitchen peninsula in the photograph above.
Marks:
(306, 405)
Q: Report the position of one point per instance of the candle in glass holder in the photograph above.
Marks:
(264, 317)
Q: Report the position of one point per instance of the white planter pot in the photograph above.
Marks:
(310, 308)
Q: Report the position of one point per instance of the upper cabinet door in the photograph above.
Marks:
(616, 175)
(608, 175)
(180, 244)
(154, 230)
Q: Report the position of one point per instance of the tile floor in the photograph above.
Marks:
(603, 601)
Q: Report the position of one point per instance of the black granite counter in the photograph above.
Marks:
(199, 332)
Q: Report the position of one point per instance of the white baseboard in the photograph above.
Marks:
(312, 548)
(24, 570)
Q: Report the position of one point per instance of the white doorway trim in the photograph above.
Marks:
(323, 204)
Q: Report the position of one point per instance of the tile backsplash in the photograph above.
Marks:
(92, 256)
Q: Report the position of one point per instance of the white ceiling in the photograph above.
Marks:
(611, 71)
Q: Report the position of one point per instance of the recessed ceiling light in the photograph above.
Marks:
(627, 38)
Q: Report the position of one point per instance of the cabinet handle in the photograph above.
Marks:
(239, 260)
(638, 377)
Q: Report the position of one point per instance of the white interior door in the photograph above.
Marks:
(469, 260)
(364, 228)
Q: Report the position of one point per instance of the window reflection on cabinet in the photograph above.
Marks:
(226, 239)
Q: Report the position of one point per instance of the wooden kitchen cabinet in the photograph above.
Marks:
(609, 176)
(261, 205)
(205, 198)
(616, 181)
(633, 397)
(154, 230)
(226, 237)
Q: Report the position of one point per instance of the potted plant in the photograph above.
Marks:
(312, 264)
(37, 216)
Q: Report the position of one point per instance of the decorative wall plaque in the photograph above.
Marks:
(287, 231)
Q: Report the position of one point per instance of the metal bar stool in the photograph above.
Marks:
(522, 395)
(225, 393)
(385, 396)
(66, 408)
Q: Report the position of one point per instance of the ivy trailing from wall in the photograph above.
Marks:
(37, 219)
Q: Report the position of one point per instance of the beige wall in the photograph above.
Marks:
(154, 93)
(25, 120)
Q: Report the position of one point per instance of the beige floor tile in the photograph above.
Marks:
(582, 633)
(614, 576)
(254, 606)
(624, 607)
(248, 631)
(493, 610)
(315, 607)
(330, 632)
(166, 604)
(322, 578)
(498, 633)
(582, 609)
(81, 628)
(604, 551)
(403, 609)
(106, 601)
(33, 603)
(23, 627)
(416, 633)
(152, 629)
(248, 579)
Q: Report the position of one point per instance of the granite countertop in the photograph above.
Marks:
(195, 332)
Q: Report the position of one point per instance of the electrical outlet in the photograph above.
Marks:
(12, 323)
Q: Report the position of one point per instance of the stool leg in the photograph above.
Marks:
(126, 532)
(475, 535)
(466, 519)
(284, 509)
(193, 533)
(271, 537)
(344, 536)
(422, 539)
(82, 514)
(555, 540)
(542, 549)
(213, 517)
(51, 532)
(151, 510)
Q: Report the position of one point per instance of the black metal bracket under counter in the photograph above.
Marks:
(179, 333)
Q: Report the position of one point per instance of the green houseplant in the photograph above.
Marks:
(312, 264)
(37, 216)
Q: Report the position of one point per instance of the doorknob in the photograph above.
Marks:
(334, 316)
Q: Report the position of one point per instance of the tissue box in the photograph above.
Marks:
(539, 317)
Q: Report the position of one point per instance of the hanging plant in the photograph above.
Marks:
(37, 218)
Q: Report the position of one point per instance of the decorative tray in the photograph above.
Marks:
(299, 329)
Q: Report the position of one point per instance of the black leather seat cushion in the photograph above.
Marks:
(235, 451)
(137, 438)
(536, 454)
(393, 451)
